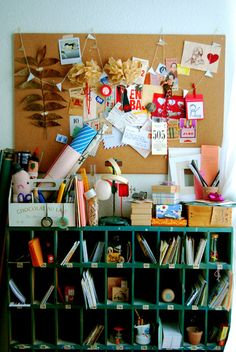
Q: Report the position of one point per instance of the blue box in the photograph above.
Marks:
(172, 211)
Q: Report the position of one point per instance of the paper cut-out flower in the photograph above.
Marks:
(82, 74)
(122, 72)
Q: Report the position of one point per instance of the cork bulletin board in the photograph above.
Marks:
(123, 46)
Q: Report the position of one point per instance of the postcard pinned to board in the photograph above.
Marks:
(201, 56)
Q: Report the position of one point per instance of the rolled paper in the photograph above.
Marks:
(71, 153)
(83, 138)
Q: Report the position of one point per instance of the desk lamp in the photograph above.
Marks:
(103, 193)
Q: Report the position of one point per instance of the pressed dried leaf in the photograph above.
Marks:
(33, 107)
(29, 85)
(35, 117)
(30, 60)
(32, 97)
(49, 62)
(53, 96)
(53, 106)
(22, 72)
(41, 52)
(51, 73)
(49, 117)
(45, 124)
(51, 88)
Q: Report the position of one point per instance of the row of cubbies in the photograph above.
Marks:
(64, 321)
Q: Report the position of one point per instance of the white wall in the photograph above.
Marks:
(103, 16)
(106, 16)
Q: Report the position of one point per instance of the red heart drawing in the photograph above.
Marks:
(212, 58)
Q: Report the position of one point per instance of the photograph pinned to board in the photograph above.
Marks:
(201, 56)
(69, 49)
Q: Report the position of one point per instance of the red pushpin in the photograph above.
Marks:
(106, 90)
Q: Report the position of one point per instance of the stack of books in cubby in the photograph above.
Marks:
(141, 212)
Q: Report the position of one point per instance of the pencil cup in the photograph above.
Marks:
(194, 335)
(208, 190)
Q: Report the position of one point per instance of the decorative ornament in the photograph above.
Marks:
(85, 74)
(106, 90)
(122, 72)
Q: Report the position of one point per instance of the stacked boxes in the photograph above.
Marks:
(141, 213)
(166, 202)
(165, 194)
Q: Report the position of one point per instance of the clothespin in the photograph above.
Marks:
(194, 90)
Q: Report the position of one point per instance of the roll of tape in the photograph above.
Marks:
(115, 166)
(90, 194)
(117, 178)
(168, 295)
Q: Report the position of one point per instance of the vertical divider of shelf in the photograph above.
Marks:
(158, 274)
(207, 273)
(32, 294)
(55, 241)
(184, 283)
(105, 288)
(81, 238)
(133, 273)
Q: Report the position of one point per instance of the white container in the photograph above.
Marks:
(31, 214)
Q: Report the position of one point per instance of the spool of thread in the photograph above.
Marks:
(168, 295)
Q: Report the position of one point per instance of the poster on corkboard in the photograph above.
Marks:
(62, 81)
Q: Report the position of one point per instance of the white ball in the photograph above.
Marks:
(103, 189)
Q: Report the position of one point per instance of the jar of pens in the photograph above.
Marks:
(209, 192)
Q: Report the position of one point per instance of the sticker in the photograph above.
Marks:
(61, 138)
(99, 99)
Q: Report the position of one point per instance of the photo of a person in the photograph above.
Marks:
(167, 84)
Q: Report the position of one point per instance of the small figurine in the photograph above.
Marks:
(20, 185)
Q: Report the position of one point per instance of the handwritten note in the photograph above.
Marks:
(136, 137)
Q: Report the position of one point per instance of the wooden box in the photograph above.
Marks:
(209, 216)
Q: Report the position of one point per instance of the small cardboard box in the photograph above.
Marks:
(164, 194)
(31, 214)
(209, 216)
(172, 211)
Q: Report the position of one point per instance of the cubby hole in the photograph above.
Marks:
(196, 288)
(69, 325)
(94, 319)
(18, 247)
(148, 245)
(119, 247)
(145, 291)
(223, 248)
(170, 251)
(65, 244)
(94, 242)
(20, 322)
(20, 278)
(120, 327)
(44, 326)
(218, 327)
(196, 319)
(119, 286)
(143, 317)
(47, 243)
(69, 289)
(170, 286)
(43, 279)
(170, 334)
(194, 241)
(220, 289)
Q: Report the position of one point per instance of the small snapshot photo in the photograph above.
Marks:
(69, 49)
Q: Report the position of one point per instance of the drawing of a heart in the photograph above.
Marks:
(161, 101)
(171, 102)
(180, 104)
(212, 58)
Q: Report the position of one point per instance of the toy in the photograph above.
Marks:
(20, 184)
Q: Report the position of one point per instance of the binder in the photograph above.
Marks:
(35, 252)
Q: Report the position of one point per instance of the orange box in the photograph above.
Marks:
(169, 222)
